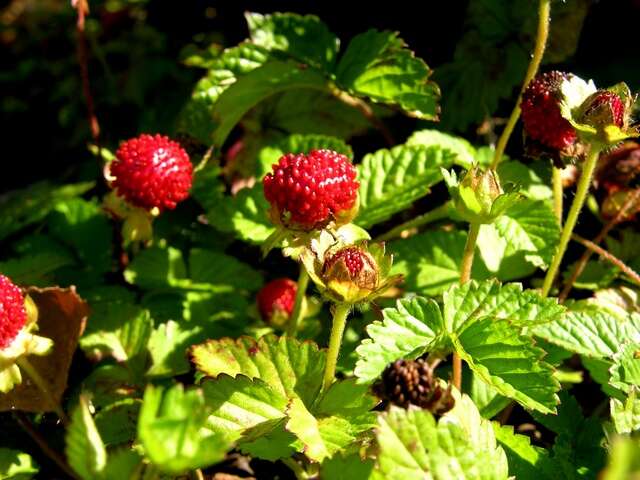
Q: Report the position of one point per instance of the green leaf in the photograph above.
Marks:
(123, 463)
(430, 261)
(378, 65)
(85, 227)
(171, 428)
(578, 447)
(526, 461)
(413, 446)
(391, 180)
(298, 143)
(16, 465)
(528, 181)
(85, 451)
(595, 275)
(305, 38)
(524, 238)
(157, 268)
(624, 459)
(197, 115)
(168, 345)
(626, 414)
(20, 208)
(36, 268)
(244, 215)
(305, 426)
(502, 357)
(417, 325)
(250, 89)
(347, 467)
(240, 403)
(625, 371)
(406, 329)
(118, 329)
(473, 300)
(485, 397)
(464, 152)
(207, 266)
(290, 367)
(117, 422)
(589, 330)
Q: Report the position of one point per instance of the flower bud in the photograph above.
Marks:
(479, 197)
(350, 274)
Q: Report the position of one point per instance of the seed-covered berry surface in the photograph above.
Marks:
(12, 311)
(277, 296)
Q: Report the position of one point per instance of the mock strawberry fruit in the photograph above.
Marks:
(307, 192)
(13, 314)
(604, 108)
(152, 171)
(541, 114)
(276, 300)
(412, 382)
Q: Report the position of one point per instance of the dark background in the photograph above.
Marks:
(139, 83)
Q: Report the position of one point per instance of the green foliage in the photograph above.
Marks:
(178, 417)
(413, 445)
(16, 465)
(483, 323)
(391, 180)
(85, 450)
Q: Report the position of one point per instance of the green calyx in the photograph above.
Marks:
(350, 274)
(479, 197)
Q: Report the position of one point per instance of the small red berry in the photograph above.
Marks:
(152, 171)
(604, 108)
(351, 265)
(541, 115)
(13, 314)
(353, 258)
(277, 298)
(308, 191)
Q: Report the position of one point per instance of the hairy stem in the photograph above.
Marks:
(43, 386)
(53, 455)
(558, 194)
(622, 213)
(608, 256)
(434, 215)
(581, 194)
(465, 276)
(296, 314)
(340, 313)
(544, 10)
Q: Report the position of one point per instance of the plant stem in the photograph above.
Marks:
(58, 459)
(465, 276)
(581, 194)
(296, 314)
(43, 386)
(544, 9)
(558, 193)
(340, 313)
(609, 257)
(295, 468)
(622, 213)
(434, 215)
(469, 249)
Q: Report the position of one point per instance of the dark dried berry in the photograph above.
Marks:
(412, 382)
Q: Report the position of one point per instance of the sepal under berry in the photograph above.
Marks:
(479, 196)
(350, 274)
(603, 116)
(137, 223)
(413, 382)
(20, 312)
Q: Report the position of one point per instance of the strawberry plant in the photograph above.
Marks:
(264, 293)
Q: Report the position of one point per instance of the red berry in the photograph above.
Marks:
(13, 314)
(604, 108)
(277, 297)
(541, 115)
(152, 171)
(352, 257)
(308, 191)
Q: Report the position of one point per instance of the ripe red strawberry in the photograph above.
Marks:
(604, 108)
(276, 300)
(541, 115)
(152, 171)
(13, 314)
(308, 191)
